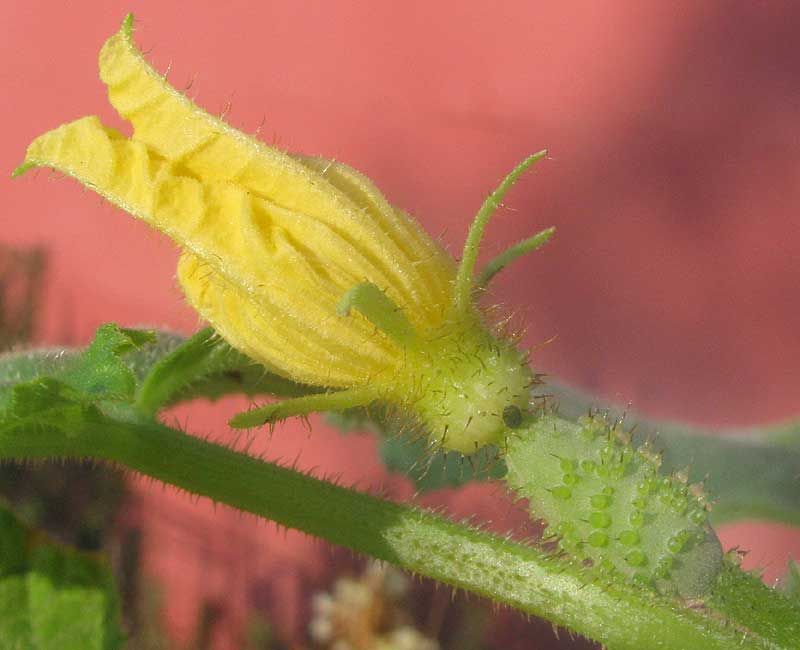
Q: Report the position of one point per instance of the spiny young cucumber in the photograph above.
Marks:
(607, 505)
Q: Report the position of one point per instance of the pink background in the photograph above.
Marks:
(674, 182)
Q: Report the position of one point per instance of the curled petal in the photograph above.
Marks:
(418, 271)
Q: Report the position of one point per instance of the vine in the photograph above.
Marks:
(341, 301)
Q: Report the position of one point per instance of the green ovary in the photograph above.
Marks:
(608, 506)
(464, 385)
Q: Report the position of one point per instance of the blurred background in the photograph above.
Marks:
(671, 285)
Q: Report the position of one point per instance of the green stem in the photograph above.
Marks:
(620, 616)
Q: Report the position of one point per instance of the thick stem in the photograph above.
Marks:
(523, 577)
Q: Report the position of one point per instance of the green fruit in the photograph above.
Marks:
(622, 516)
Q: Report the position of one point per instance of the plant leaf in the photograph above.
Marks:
(166, 367)
(51, 596)
(100, 371)
(206, 366)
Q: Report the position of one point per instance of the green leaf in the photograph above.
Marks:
(206, 366)
(97, 373)
(13, 538)
(100, 372)
(68, 600)
(15, 628)
(41, 406)
(35, 399)
(72, 398)
(53, 597)
(26, 366)
(157, 369)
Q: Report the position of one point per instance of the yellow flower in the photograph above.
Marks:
(300, 262)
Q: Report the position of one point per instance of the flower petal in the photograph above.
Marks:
(416, 271)
(311, 346)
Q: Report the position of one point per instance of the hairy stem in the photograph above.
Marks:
(515, 574)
